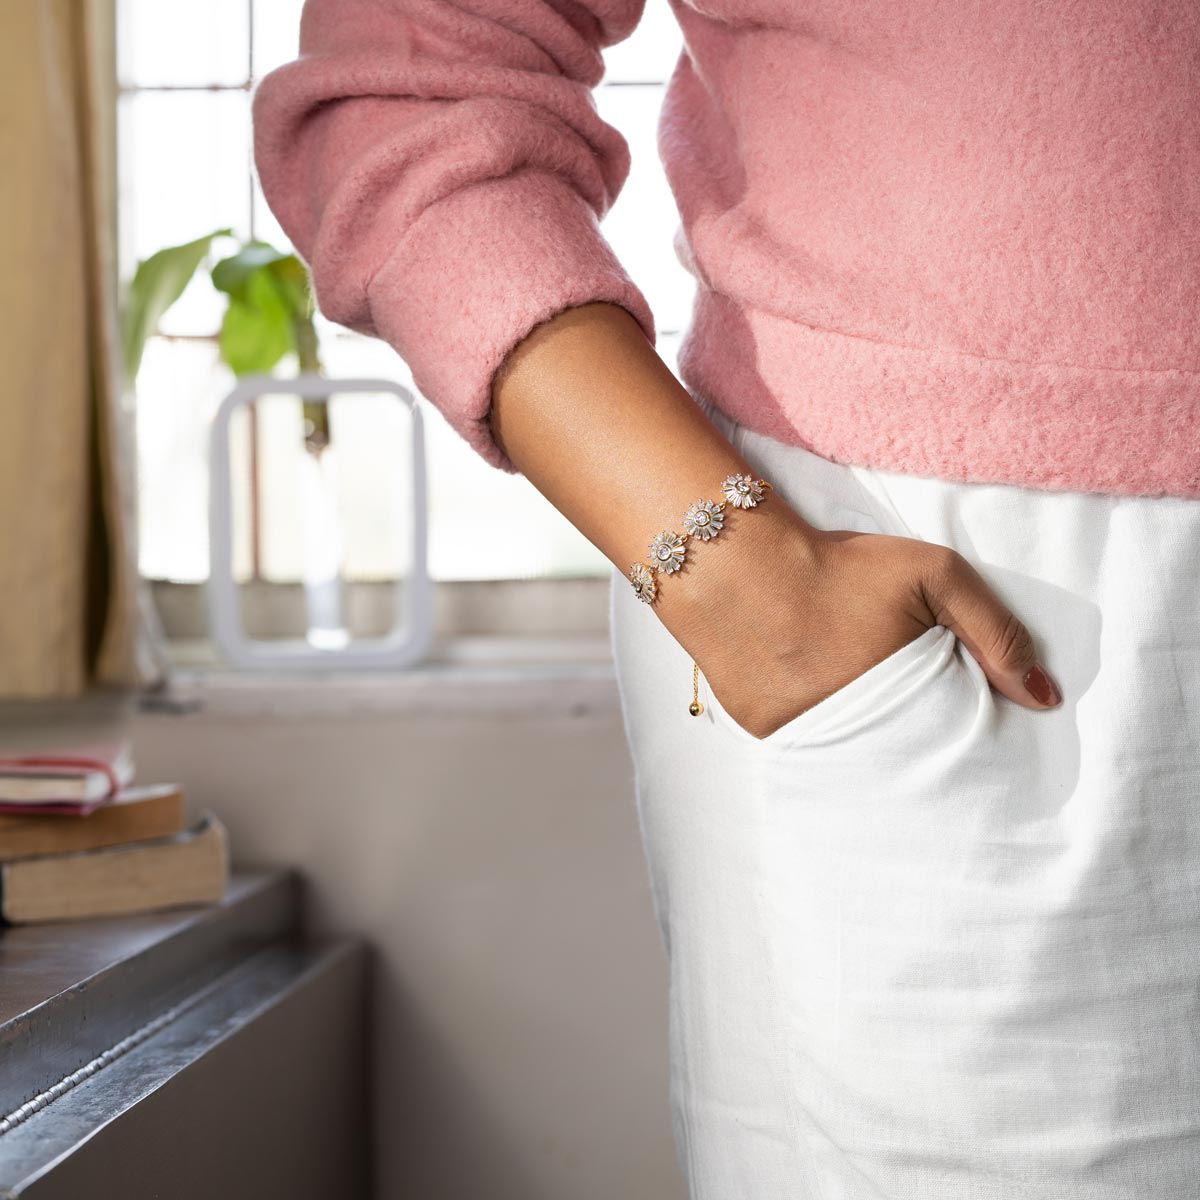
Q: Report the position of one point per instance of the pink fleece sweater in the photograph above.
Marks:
(957, 238)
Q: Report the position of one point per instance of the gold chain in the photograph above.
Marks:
(695, 708)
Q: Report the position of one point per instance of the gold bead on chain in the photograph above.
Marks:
(695, 708)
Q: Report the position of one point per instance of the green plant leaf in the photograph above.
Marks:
(291, 275)
(158, 282)
(232, 274)
(258, 327)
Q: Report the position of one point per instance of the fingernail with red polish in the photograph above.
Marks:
(1041, 687)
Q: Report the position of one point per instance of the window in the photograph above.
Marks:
(186, 71)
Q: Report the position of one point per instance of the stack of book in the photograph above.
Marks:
(78, 839)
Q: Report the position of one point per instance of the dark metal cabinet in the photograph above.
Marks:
(187, 1054)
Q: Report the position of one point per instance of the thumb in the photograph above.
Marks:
(960, 599)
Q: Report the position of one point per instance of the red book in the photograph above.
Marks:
(64, 783)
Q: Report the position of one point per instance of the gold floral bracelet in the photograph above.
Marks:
(703, 521)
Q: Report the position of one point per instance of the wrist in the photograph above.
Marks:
(717, 585)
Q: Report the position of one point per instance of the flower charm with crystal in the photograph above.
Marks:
(742, 491)
(703, 520)
(642, 578)
(667, 551)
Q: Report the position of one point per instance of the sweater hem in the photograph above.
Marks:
(937, 413)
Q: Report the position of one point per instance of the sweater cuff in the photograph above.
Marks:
(476, 272)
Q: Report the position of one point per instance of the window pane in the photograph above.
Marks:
(178, 388)
(276, 34)
(166, 43)
(373, 435)
(650, 52)
(487, 524)
(266, 227)
(642, 224)
(371, 450)
(527, 538)
(185, 162)
(181, 384)
(668, 349)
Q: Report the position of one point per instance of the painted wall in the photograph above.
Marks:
(485, 841)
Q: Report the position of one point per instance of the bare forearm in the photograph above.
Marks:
(779, 614)
(590, 414)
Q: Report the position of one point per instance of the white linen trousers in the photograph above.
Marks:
(924, 943)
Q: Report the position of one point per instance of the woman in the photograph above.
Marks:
(931, 920)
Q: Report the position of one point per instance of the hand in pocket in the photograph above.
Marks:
(789, 614)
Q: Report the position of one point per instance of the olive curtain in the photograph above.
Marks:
(71, 606)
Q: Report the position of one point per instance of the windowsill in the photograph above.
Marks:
(558, 608)
(498, 677)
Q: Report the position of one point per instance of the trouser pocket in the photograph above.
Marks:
(913, 853)
(867, 698)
